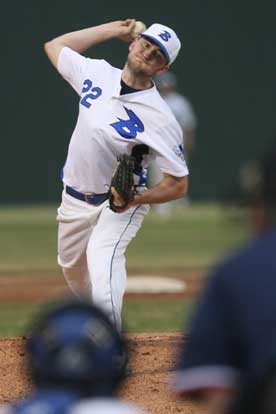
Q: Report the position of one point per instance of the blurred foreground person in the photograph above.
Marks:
(230, 352)
(77, 361)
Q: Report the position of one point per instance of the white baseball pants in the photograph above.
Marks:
(92, 241)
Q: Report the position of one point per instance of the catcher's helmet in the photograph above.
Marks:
(76, 345)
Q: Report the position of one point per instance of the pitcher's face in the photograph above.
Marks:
(145, 57)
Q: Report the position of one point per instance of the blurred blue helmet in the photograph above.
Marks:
(75, 345)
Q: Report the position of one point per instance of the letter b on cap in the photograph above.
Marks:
(165, 36)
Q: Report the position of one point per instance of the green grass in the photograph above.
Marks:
(27, 239)
(156, 315)
(15, 318)
(194, 237)
(139, 315)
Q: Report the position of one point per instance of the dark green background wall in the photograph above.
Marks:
(226, 68)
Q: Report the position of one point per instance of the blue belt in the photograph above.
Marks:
(95, 199)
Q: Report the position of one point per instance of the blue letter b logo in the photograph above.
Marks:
(128, 128)
(165, 35)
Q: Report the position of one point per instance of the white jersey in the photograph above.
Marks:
(110, 124)
(87, 406)
(106, 406)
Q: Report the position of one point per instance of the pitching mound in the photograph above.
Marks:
(152, 357)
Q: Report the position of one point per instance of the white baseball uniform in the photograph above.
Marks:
(46, 404)
(106, 406)
(92, 239)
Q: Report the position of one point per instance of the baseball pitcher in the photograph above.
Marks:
(123, 123)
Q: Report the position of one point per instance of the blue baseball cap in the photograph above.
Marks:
(165, 38)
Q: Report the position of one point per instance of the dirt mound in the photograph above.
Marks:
(152, 357)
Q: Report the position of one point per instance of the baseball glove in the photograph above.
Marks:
(122, 184)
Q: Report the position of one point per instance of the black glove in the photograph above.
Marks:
(122, 184)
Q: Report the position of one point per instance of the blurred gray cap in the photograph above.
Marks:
(258, 178)
(166, 80)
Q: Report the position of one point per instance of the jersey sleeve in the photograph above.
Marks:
(169, 151)
(71, 65)
(74, 67)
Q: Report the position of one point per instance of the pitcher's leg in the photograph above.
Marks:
(106, 257)
(76, 220)
(77, 278)
(72, 244)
